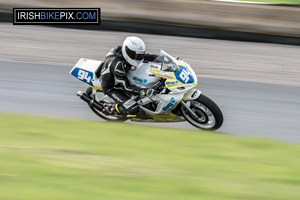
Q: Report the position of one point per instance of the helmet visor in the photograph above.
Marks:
(139, 55)
(134, 55)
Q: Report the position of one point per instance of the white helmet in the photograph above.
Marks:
(133, 50)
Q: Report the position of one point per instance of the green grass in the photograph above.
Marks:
(45, 159)
(277, 1)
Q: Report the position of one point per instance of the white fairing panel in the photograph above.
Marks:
(142, 77)
(181, 89)
(85, 70)
(192, 95)
(166, 103)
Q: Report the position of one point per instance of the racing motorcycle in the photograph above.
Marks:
(175, 99)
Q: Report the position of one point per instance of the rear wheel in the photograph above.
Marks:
(208, 114)
(98, 97)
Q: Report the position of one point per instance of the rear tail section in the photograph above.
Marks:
(85, 70)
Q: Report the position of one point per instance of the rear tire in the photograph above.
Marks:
(101, 114)
(209, 114)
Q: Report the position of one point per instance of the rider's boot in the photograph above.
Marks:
(115, 109)
(110, 109)
(122, 111)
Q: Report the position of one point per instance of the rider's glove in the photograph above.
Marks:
(147, 92)
(143, 92)
(150, 93)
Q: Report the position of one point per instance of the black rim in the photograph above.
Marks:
(205, 118)
(202, 117)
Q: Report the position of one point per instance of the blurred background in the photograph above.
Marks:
(253, 82)
(270, 19)
(256, 84)
(277, 22)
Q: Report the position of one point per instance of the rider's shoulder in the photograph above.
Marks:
(114, 51)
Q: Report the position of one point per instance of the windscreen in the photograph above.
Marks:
(167, 62)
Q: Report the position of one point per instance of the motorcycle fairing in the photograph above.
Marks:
(142, 77)
(167, 102)
(165, 117)
(185, 77)
(85, 71)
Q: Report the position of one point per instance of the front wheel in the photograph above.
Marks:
(208, 114)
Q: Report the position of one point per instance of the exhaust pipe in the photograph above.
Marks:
(90, 100)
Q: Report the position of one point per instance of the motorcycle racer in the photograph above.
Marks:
(114, 81)
(175, 97)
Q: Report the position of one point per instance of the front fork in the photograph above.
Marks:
(191, 95)
(190, 111)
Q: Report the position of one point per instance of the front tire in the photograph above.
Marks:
(101, 114)
(209, 115)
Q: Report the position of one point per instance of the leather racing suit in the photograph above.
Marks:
(114, 81)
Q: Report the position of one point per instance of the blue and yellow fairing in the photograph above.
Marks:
(185, 75)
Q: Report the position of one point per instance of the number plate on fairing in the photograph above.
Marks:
(85, 70)
(83, 75)
(184, 75)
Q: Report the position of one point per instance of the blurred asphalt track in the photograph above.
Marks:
(260, 62)
(250, 108)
